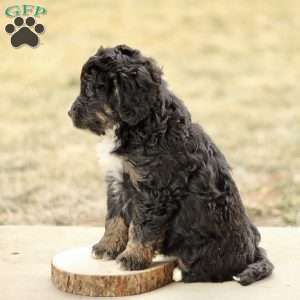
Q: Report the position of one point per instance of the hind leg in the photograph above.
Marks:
(206, 269)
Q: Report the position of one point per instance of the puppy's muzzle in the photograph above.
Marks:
(76, 115)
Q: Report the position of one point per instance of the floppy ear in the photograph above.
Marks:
(136, 93)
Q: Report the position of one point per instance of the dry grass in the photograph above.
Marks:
(235, 63)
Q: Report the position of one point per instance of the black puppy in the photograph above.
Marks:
(170, 190)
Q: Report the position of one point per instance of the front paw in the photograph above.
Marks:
(133, 260)
(106, 249)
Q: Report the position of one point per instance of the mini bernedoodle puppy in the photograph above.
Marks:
(169, 188)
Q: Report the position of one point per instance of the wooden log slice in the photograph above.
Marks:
(76, 271)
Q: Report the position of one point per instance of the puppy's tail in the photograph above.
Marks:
(258, 270)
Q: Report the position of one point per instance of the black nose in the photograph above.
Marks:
(70, 113)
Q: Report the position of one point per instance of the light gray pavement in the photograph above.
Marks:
(26, 252)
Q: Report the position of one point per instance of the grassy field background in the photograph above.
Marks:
(236, 64)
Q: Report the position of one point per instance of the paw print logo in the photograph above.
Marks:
(24, 33)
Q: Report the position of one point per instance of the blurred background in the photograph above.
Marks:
(236, 65)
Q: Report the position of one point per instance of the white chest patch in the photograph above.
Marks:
(110, 164)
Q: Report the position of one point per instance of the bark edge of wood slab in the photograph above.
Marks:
(76, 271)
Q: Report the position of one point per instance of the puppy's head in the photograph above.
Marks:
(117, 85)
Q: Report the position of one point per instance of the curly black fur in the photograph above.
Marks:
(182, 198)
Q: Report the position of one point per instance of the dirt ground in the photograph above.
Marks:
(236, 65)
